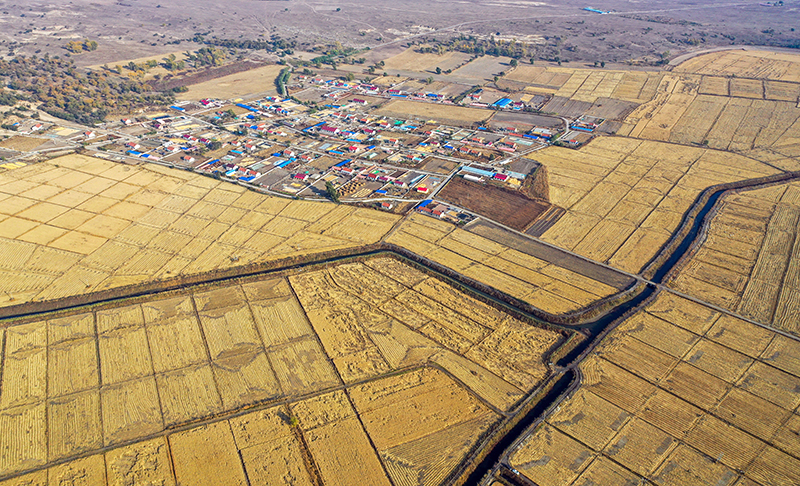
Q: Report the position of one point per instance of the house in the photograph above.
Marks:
(37, 127)
(89, 134)
(359, 101)
(300, 177)
(329, 130)
(188, 159)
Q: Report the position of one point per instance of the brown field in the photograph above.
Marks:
(22, 143)
(117, 375)
(504, 206)
(750, 262)
(677, 410)
(455, 115)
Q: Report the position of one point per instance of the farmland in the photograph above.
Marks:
(625, 197)
(455, 115)
(749, 260)
(92, 225)
(677, 394)
(541, 283)
(282, 377)
(510, 208)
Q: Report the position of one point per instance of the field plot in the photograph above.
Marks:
(405, 347)
(667, 398)
(22, 143)
(625, 197)
(455, 115)
(409, 60)
(79, 224)
(728, 114)
(750, 261)
(259, 80)
(745, 64)
(507, 207)
(547, 286)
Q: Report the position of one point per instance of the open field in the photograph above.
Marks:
(750, 260)
(547, 286)
(738, 115)
(198, 355)
(259, 80)
(409, 60)
(455, 115)
(625, 197)
(746, 64)
(678, 394)
(510, 208)
(80, 224)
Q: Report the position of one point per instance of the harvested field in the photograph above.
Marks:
(625, 197)
(517, 272)
(22, 143)
(453, 115)
(749, 261)
(664, 419)
(184, 224)
(189, 359)
(509, 208)
(746, 64)
(409, 60)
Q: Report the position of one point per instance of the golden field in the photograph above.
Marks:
(625, 197)
(700, 106)
(544, 285)
(77, 224)
(677, 394)
(587, 84)
(750, 260)
(360, 370)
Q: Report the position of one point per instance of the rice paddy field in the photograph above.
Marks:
(677, 394)
(78, 224)
(727, 113)
(364, 371)
(587, 84)
(749, 260)
(542, 284)
(625, 197)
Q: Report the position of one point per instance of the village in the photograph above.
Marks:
(337, 144)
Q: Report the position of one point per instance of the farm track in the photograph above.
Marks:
(535, 408)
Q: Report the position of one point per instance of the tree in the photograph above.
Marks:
(333, 194)
(350, 76)
(429, 80)
(438, 70)
(513, 63)
(602, 64)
